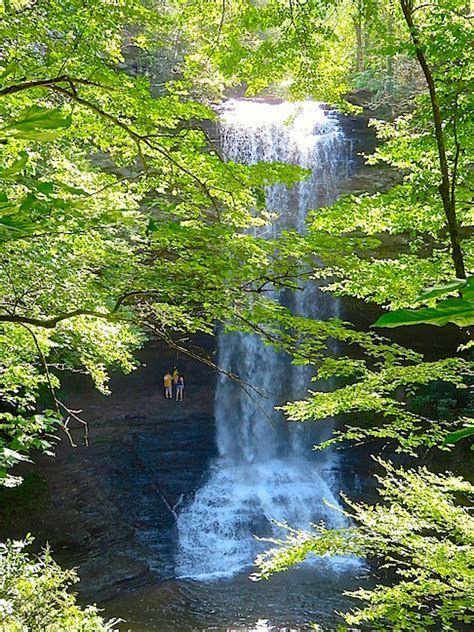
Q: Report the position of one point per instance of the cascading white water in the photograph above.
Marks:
(266, 470)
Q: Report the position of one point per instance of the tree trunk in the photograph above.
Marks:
(444, 187)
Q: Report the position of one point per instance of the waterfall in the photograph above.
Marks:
(266, 470)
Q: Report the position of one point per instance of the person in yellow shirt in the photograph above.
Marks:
(168, 384)
(175, 375)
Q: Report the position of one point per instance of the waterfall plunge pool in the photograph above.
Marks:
(287, 602)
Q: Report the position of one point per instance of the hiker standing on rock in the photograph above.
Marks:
(175, 375)
(179, 388)
(168, 384)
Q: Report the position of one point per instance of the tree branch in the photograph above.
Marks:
(47, 83)
(50, 323)
(138, 139)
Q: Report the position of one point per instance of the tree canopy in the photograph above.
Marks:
(118, 214)
(120, 219)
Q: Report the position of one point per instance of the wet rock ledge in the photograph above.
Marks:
(107, 509)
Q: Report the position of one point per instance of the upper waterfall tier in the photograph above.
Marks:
(300, 133)
(303, 134)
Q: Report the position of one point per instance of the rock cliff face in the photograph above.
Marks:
(109, 508)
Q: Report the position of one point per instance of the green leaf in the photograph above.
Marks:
(16, 167)
(401, 317)
(34, 122)
(152, 226)
(73, 190)
(12, 455)
(440, 290)
(44, 187)
(28, 201)
(7, 207)
(458, 311)
(457, 435)
(11, 228)
(9, 69)
(174, 227)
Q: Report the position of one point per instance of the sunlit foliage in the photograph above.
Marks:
(34, 595)
(422, 540)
